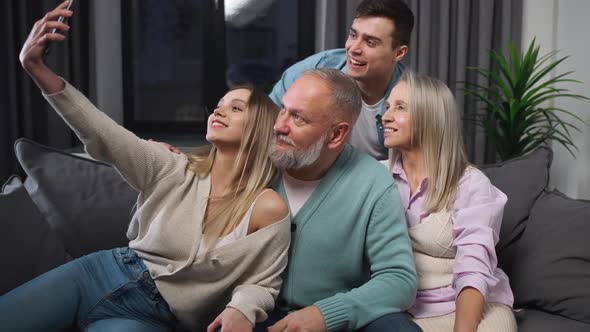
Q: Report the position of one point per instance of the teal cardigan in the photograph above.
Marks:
(336, 59)
(350, 253)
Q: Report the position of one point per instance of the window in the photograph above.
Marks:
(179, 57)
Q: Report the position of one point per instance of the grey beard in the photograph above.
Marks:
(296, 159)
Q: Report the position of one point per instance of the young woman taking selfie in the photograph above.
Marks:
(208, 241)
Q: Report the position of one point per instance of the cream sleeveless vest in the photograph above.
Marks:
(432, 243)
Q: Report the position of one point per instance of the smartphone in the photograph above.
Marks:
(60, 19)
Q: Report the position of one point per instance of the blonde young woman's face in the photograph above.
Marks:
(226, 124)
(396, 120)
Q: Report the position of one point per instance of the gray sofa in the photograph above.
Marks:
(69, 206)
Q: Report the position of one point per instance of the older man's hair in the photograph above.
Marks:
(346, 96)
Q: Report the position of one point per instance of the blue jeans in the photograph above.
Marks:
(395, 322)
(105, 291)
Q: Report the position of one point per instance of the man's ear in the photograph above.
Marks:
(400, 53)
(339, 135)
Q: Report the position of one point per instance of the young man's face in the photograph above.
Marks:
(369, 48)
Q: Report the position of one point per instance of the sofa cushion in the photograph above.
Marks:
(538, 321)
(552, 258)
(85, 201)
(522, 179)
(28, 245)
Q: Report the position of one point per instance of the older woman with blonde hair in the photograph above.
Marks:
(453, 212)
(208, 241)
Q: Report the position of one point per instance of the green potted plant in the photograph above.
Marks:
(518, 117)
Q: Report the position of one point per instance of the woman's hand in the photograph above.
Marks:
(170, 147)
(31, 55)
(40, 37)
(231, 320)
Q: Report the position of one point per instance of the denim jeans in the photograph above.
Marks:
(395, 322)
(398, 321)
(104, 291)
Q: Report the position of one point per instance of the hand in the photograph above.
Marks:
(307, 319)
(168, 146)
(32, 52)
(231, 320)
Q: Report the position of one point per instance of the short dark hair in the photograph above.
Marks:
(395, 10)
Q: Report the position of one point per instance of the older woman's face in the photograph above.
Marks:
(226, 124)
(396, 120)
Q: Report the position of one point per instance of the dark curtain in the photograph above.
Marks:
(333, 22)
(451, 35)
(23, 110)
(448, 36)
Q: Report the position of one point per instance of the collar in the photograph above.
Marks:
(398, 171)
(398, 168)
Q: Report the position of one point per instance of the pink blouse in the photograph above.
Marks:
(477, 217)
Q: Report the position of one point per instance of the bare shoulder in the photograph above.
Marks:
(269, 209)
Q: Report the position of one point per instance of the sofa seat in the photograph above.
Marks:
(530, 320)
(70, 206)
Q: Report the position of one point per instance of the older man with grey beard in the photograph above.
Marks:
(350, 262)
(295, 159)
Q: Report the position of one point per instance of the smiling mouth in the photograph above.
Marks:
(218, 124)
(356, 62)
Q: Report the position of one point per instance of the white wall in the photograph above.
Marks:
(564, 25)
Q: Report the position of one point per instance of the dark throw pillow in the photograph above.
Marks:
(87, 202)
(522, 179)
(28, 245)
(552, 258)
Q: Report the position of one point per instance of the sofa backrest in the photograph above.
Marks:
(543, 245)
(522, 179)
(28, 245)
(85, 201)
(551, 260)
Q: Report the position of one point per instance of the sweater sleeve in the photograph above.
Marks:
(257, 296)
(392, 283)
(140, 162)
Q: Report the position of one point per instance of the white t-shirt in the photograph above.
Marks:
(297, 191)
(364, 135)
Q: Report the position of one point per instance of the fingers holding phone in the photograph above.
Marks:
(61, 19)
(44, 32)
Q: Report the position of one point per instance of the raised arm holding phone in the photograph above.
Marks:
(208, 241)
(44, 32)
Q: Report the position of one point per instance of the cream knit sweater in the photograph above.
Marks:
(166, 227)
